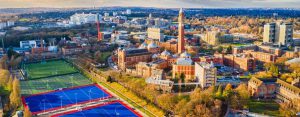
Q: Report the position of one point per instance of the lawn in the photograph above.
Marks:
(264, 107)
(29, 87)
(47, 69)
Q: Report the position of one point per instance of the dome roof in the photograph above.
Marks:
(166, 53)
(185, 55)
(143, 45)
(154, 56)
(184, 61)
(152, 45)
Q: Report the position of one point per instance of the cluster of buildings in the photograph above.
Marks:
(155, 56)
(52, 48)
(163, 61)
(147, 22)
(6, 24)
(274, 88)
(82, 18)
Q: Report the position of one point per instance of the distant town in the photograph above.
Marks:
(152, 62)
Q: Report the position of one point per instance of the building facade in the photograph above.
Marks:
(78, 19)
(287, 92)
(215, 38)
(262, 88)
(184, 65)
(278, 33)
(155, 34)
(206, 74)
(242, 62)
(130, 57)
(262, 56)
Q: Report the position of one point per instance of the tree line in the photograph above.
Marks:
(10, 85)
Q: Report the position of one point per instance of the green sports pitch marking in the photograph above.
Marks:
(52, 83)
(48, 69)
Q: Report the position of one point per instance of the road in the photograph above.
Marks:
(111, 64)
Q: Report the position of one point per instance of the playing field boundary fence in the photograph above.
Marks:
(101, 78)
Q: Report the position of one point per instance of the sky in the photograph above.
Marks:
(152, 3)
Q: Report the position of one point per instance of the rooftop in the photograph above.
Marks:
(135, 51)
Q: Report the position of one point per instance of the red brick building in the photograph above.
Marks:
(184, 65)
(242, 62)
(262, 88)
(130, 57)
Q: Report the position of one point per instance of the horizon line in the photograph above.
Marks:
(151, 7)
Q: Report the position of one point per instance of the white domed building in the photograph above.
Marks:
(165, 55)
(185, 55)
(184, 65)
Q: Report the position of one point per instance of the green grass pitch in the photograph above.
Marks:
(47, 69)
(29, 87)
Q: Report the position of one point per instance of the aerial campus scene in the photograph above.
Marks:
(155, 58)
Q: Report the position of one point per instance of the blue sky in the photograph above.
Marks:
(153, 3)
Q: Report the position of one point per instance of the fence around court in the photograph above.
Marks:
(101, 78)
(25, 74)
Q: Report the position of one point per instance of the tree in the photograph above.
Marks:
(196, 94)
(11, 52)
(10, 84)
(15, 61)
(4, 75)
(244, 95)
(217, 108)
(234, 102)
(290, 109)
(166, 101)
(179, 106)
(268, 66)
(182, 78)
(202, 111)
(229, 49)
(219, 92)
(220, 49)
(15, 95)
(109, 79)
(227, 91)
(3, 62)
(289, 80)
(274, 70)
(27, 113)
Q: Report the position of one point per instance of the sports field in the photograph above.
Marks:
(52, 100)
(48, 68)
(29, 87)
(112, 109)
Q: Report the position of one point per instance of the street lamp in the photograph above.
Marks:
(117, 114)
(72, 81)
(90, 94)
(60, 101)
(44, 105)
(47, 85)
(76, 97)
